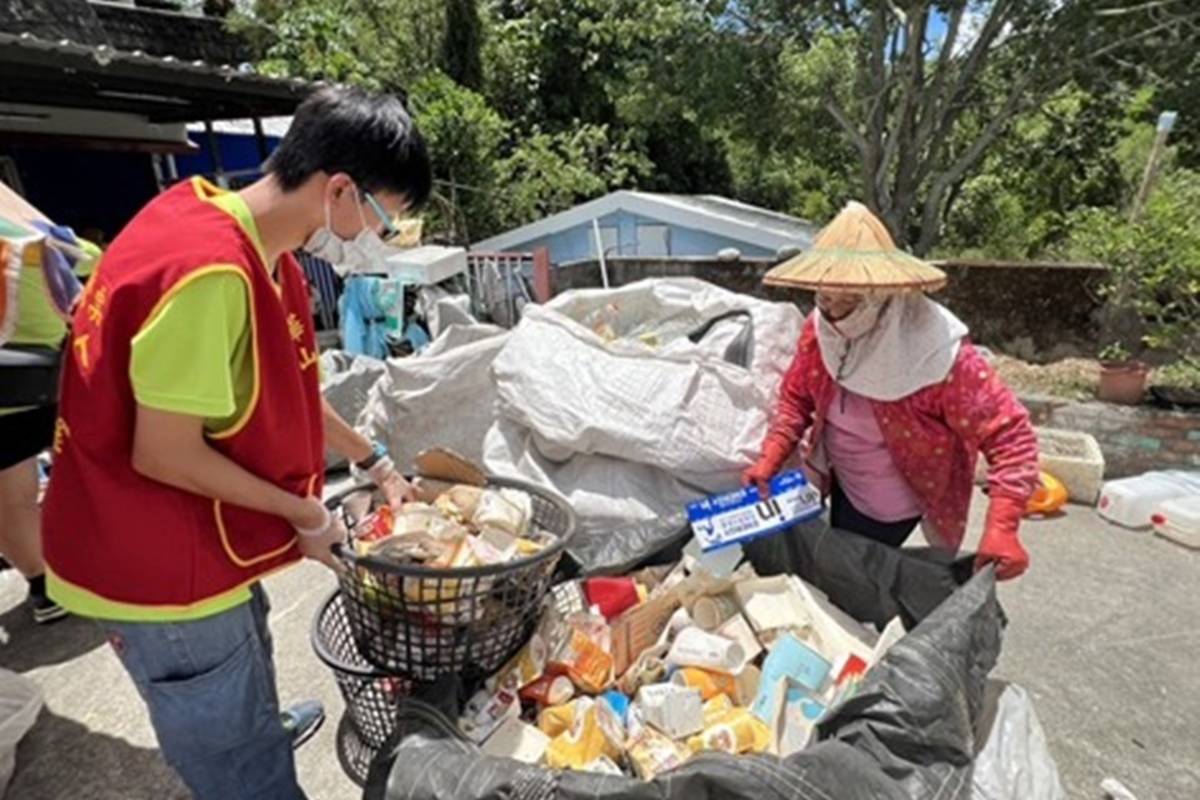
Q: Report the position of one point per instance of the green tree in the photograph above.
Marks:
(923, 72)
(382, 44)
(1066, 155)
(1154, 261)
(979, 125)
(548, 173)
(461, 44)
(466, 138)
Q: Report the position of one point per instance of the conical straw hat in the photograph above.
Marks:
(855, 253)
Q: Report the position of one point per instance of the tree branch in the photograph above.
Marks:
(1120, 11)
(932, 213)
(908, 141)
(934, 98)
(1128, 40)
(839, 115)
(876, 119)
(968, 72)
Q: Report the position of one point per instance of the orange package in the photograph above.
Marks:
(586, 663)
(741, 688)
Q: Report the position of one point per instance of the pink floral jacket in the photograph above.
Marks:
(933, 435)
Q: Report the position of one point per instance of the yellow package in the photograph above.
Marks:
(737, 732)
(741, 688)
(556, 719)
(585, 742)
(710, 684)
(716, 708)
(651, 753)
(430, 590)
(525, 667)
(528, 547)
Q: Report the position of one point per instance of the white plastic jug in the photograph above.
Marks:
(1132, 501)
(1179, 521)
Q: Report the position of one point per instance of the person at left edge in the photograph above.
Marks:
(189, 447)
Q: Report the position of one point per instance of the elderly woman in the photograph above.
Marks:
(891, 404)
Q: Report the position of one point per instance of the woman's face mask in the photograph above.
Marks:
(835, 306)
(365, 251)
(859, 320)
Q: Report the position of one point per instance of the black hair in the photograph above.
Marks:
(370, 137)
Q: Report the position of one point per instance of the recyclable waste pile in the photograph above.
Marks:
(463, 526)
(454, 581)
(640, 673)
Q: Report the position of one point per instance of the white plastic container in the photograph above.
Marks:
(1179, 521)
(1131, 502)
(1073, 457)
(426, 265)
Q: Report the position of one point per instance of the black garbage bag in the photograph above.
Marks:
(909, 733)
(869, 581)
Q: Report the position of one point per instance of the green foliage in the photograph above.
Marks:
(383, 44)
(461, 43)
(532, 105)
(466, 137)
(1113, 351)
(788, 182)
(548, 173)
(492, 179)
(1154, 260)
(1181, 374)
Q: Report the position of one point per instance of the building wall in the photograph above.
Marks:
(579, 242)
(1134, 439)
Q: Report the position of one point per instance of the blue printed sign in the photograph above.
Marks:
(724, 519)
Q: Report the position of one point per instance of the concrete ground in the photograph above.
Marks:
(1104, 633)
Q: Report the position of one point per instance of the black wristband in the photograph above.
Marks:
(370, 461)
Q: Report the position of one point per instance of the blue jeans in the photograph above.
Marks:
(210, 687)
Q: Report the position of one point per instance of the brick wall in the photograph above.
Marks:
(1134, 439)
(1038, 312)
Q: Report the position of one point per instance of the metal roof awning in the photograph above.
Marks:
(161, 89)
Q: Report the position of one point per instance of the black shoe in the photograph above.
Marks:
(44, 609)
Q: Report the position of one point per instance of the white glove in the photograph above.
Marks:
(395, 489)
(317, 543)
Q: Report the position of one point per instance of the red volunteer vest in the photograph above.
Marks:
(131, 539)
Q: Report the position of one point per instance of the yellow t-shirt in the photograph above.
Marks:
(194, 356)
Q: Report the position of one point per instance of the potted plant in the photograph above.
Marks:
(1122, 378)
(1152, 288)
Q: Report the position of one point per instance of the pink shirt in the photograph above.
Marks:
(858, 454)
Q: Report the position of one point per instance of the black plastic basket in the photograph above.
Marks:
(371, 695)
(354, 755)
(422, 622)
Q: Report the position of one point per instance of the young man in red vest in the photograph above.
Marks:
(189, 448)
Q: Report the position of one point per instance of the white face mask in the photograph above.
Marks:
(861, 320)
(364, 251)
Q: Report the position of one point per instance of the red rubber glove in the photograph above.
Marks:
(1000, 543)
(773, 455)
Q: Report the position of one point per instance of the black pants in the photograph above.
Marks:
(843, 514)
(24, 434)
